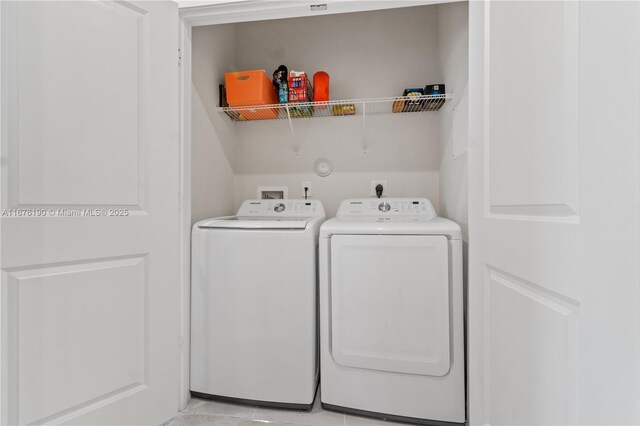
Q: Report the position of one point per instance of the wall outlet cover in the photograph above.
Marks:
(375, 183)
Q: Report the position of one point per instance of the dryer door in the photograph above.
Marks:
(390, 303)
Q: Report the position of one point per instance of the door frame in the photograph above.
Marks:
(230, 13)
(3, 115)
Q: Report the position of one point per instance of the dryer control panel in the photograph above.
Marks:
(282, 208)
(387, 207)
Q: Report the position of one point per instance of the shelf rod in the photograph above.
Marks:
(296, 148)
(325, 109)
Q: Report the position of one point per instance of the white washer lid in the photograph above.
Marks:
(292, 214)
(239, 222)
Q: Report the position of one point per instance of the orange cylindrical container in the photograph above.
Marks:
(251, 88)
(320, 87)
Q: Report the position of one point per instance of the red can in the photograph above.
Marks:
(321, 86)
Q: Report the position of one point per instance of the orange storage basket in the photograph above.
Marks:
(251, 88)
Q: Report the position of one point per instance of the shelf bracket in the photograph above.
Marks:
(364, 128)
(296, 146)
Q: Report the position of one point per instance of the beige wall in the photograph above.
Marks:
(453, 41)
(371, 54)
(213, 149)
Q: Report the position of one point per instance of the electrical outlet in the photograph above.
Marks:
(306, 184)
(375, 183)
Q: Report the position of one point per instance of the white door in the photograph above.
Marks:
(90, 212)
(554, 302)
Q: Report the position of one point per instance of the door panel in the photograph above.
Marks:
(90, 214)
(532, 109)
(534, 334)
(106, 100)
(65, 353)
(390, 303)
(553, 213)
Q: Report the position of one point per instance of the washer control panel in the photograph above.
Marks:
(281, 208)
(394, 207)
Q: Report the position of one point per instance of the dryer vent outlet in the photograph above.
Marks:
(272, 192)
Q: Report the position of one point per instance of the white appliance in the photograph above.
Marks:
(391, 312)
(253, 304)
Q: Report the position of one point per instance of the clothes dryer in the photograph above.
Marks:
(391, 312)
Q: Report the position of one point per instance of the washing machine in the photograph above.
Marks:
(253, 304)
(391, 312)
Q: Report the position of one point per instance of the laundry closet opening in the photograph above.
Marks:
(371, 57)
(368, 55)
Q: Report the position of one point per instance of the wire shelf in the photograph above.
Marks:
(341, 108)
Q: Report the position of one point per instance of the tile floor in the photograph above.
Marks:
(200, 412)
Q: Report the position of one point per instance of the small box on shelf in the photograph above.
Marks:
(436, 103)
(300, 90)
(251, 88)
(344, 109)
